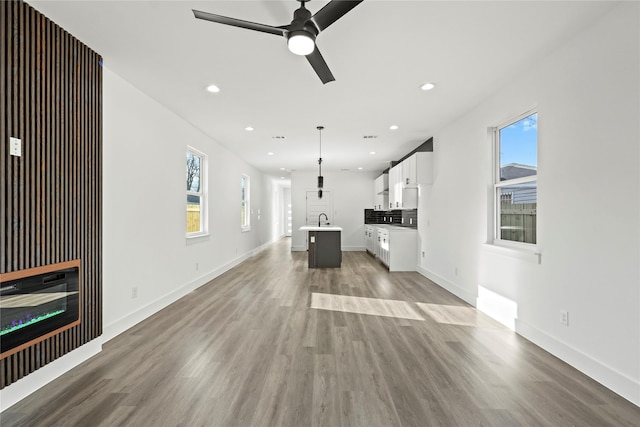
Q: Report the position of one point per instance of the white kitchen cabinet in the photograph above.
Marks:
(409, 170)
(399, 248)
(405, 177)
(370, 239)
(381, 192)
(383, 246)
(395, 187)
(375, 194)
(403, 249)
(417, 169)
(400, 196)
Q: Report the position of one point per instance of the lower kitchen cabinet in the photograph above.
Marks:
(397, 248)
(324, 249)
(383, 245)
(370, 239)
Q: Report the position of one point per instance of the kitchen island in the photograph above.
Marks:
(325, 250)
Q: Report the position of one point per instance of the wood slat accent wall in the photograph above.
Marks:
(51, 196)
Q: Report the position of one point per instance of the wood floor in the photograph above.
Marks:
(248, 349)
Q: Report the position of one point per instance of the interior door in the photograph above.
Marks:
(316, 206)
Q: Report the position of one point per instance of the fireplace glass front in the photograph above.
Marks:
(36, 306)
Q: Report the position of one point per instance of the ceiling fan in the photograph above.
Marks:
(301, 33)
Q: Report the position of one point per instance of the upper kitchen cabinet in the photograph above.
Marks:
(417, 169)
(395, 187)
(381, 192)
(405, 177)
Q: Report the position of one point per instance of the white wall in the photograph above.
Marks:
(144, 217)
(352, 194)
(587, 95)
(144, 208)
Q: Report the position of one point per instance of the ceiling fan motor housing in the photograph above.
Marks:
(302, 24)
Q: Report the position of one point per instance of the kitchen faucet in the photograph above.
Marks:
(325, 216)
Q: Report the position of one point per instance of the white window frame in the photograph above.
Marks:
(203, 194)
(246, 201)
(507, 183)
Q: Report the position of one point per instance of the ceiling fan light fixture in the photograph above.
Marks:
(301, 42)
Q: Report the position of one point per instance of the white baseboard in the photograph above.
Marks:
(615, 381)
(498, 307)
(344, 249)
(12, 394)
(451, 287)
(17, 391)
(114, 329)
(353, 249)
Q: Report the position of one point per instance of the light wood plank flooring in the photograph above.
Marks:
(248, 349)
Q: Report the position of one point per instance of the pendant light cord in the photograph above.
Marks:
(320, 158)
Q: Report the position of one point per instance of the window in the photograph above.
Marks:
(245, 216)
(516, 189)
(196, 193)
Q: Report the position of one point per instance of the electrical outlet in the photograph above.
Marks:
(564, 318)
(134, 292)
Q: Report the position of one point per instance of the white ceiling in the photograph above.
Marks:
(380, 53)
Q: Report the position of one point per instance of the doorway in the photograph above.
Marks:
(317, 206)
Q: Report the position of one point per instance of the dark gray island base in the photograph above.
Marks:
(324, 246)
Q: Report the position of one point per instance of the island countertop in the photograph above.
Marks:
(321, 228)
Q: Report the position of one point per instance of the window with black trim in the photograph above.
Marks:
(516, 184)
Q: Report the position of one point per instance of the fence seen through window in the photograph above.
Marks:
(516, 189)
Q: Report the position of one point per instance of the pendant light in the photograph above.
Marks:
(320, 178)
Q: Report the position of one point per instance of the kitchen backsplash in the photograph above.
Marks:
(400, 217)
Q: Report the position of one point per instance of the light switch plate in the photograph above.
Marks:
(15, 146)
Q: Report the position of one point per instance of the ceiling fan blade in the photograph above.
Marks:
(319, 66)
(239, 23)
(333, 11)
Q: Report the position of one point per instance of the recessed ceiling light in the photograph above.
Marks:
(249, 129)
(393, 127)
(360, 168)
(372, 152)
(282, 177)
(213, 89)
(427, 86)
(282, 169)
(269, 153)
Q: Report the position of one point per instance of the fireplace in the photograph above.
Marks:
(37, 303)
